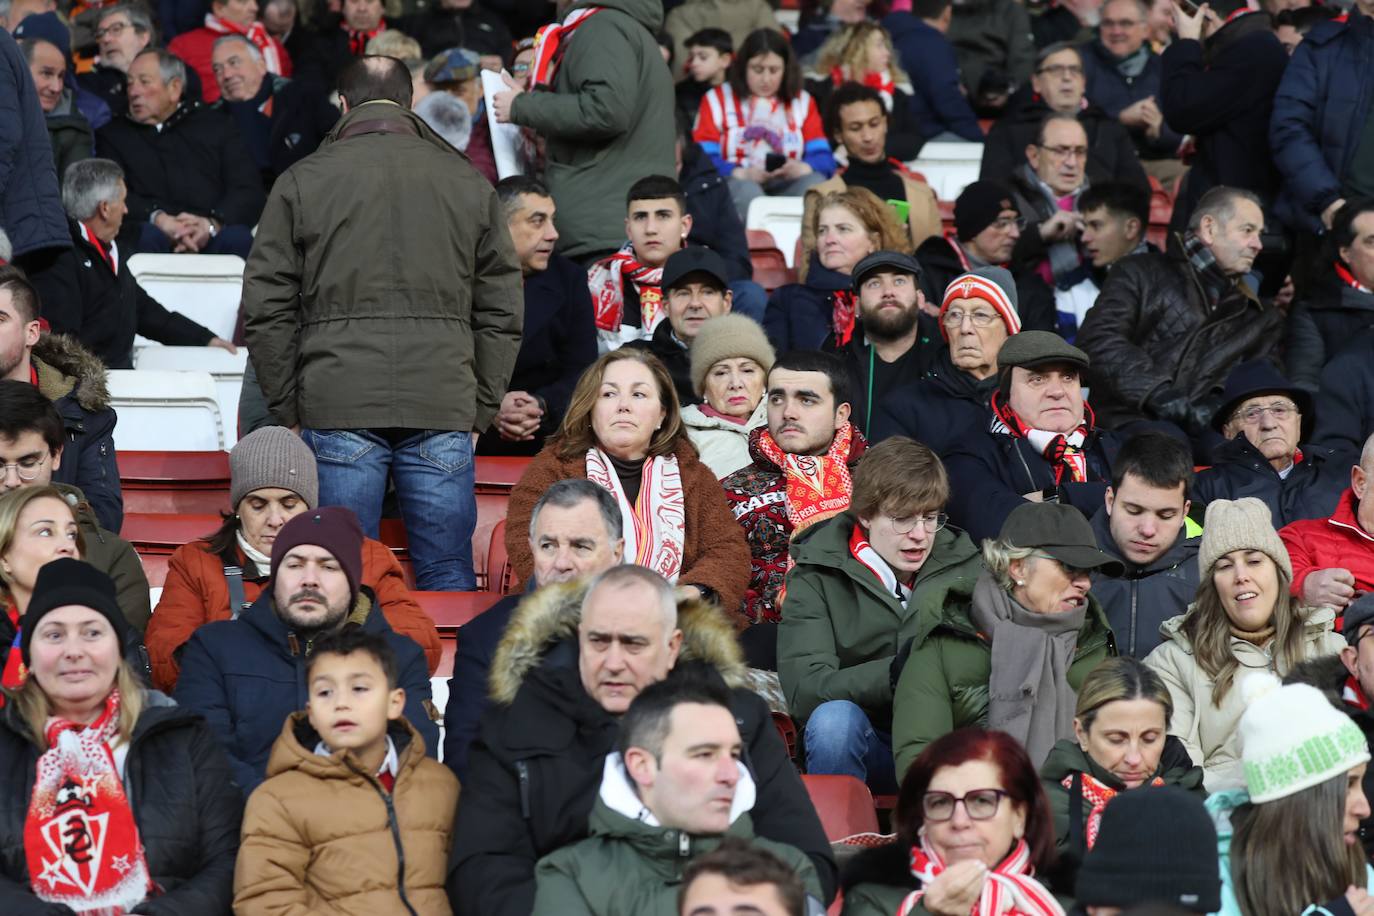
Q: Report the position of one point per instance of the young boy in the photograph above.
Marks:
(349, 795)
(709, 55)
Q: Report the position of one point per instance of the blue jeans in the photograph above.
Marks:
(433, 473)
(840, 741)
(748, 298)
(230, 240)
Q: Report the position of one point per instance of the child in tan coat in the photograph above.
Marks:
(353, 818)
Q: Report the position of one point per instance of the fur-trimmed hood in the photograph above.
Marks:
(65, 368)
(551, 614)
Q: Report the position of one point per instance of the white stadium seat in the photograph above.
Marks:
(166, 411)
(224, 367)
(949, 167)
(203, 287)
(781, 216)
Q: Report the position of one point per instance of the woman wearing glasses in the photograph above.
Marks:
(1244, 619)
(1013, 659)
(974, 835)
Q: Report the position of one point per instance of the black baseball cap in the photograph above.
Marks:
(1061, 532)
(878, 260)
(696, 259)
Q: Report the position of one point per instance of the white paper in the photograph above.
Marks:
(504, 137)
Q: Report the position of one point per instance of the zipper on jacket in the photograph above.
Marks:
(389, 800)
(522, 768)
(684, 844)
(1133, 609)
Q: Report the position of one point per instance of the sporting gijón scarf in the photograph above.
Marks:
(1063, 451)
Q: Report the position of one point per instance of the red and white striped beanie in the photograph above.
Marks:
(993, 285)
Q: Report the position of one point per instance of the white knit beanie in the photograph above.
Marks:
(1292, 738)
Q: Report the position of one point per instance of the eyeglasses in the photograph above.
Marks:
(1251, 416)
(932, 522)
(114, 30)
(27, 469)
(1072, 571)
(1058, 70)
(1065, 152)
(980, 318)
(979, 805)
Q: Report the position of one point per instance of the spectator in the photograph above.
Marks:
(1154, 850)
(51, 28)
(30, 205)
(993, 41)
(675, 783)
(1333, 558)
(736, 19)
(280, 17)
(716, 223)
(1058, 86)
(1029, 637)
(972, 824)
(739, 877)
(566, 713)
(1145, 525)
(575, 532)
(623, 431)
(155, 792)
(838, 638)
(457, 73)
(608, 120)
(322, 256)
(1046, 188)
(937, 102)
(281, 121)
(1267, 424)
(122, 31)
(227, 17)
(218, 577)
(822, 18)
(313, 833)
(1120, 743)
(731, 359)
(843, 228)
(856, 120)
(559, 338)
(1123, 75)
(68, 130)
(1114, 216)
(1042, 443)
(1341, 302)
(1346, 394)
(90, 293)
(761, 129)
(340, 39)
(862, 53)
(977, 316)
(1168, 328)
(246, 675)
(709, 53)
(212, 203)
(800, 476)
(1287, 791)
(1292, 25)
(987, 227)
(32, 440)
(74, 380)
(461, 24)
(1243, 618)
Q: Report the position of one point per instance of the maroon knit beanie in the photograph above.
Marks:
(334, 528)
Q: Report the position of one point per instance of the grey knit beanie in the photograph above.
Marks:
(728, 337)
(273, 457)
(1240, 524)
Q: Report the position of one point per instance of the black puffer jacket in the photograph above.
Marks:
(1346, 396)
(185, 802)
(935, 410)
(1311, 489)
(1152, 327)
(1320, 324)
(535, 768)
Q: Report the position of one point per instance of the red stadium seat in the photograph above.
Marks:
(450, 611)
(761, 240)
(159, 533)
(770, 269)
(498, 474)
(844, 805)
(500, 574)
(174, 482)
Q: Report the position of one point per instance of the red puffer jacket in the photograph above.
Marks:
(1326, 543)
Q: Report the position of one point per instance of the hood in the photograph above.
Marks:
(294, 749)
(693, 417)
(857, 445)
(1183, 550)
(648, 13)
(550, 616)
(1316, 621)
(619, 796)
(85, 515)
(65, 366)
(1221, 805)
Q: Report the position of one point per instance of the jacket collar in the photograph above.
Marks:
(618, 793)
(1181, 551)
(262, 616)
(1347, 515)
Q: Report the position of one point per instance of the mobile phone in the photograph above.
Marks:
(1188, 6)
(773, 161)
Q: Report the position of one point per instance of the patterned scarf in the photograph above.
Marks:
(816, 486)
(551, 43)
(357, 40)
(1010, 888)
(1204, 264)
(1064, 452)
(879, 82)
(256, 33)
(842, 316)
(80, 839)
(607, 280)
(654, 525)
(1097, 794)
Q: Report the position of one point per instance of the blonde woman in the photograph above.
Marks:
(863, 53)
(37, 525)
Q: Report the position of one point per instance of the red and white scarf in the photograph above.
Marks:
(1064, 451)
(1348, 278)
(816, 487)
(257, 34)
(1097, 794)
(551, 43)
(80, 838)
(655, 525)
(607, 281)
(842, 316)
(1353, 694)
(879, 82)
(108, 251)
(1010, 888)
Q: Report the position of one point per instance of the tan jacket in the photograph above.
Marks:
(319, 835)
(1209, 731)
(923, 214)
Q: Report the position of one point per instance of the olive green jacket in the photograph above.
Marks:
(115, 557)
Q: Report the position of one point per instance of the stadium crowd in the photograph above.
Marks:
(1039, 512)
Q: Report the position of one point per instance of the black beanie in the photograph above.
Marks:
(1155, 845)
(978, 207)
(65, 582)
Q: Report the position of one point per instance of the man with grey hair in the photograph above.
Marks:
(192, 183)
(121, 32)
(1168, 328)
(568, 667)
(89, 292)
(1123, 79)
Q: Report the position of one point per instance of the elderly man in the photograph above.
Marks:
(575, 531)
(567, 669)
(1167, 329)
(68, 129)
(977, 316)
(245, 676)
(211, 201)
(121, 32)
(1267, 423)
(227, 17)
(559, 340)
(1041, 444)
(1047, 187)
(89, 292)
(1333, 558)
(1122, 78)
(1057, 85)
(281, 121)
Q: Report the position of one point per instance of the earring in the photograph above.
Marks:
(1020, 581)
